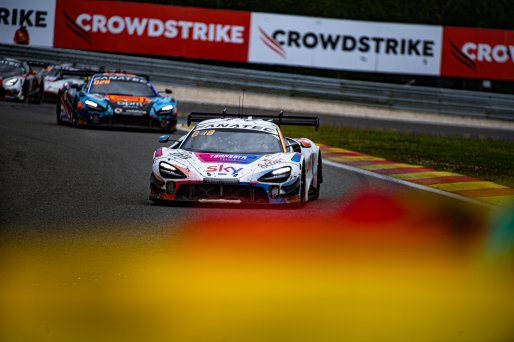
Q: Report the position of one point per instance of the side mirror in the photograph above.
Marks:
(75, 86)
(168, 91)
(164, 138)
(305, 144)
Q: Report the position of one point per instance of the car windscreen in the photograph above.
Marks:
(8, 70)
(116, 87)
(232, 141)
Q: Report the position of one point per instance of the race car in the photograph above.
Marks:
(231, 158)
(116, 99)
(55, 76)
(19, 82)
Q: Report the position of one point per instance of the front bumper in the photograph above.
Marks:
(153, 122)
(240, 193)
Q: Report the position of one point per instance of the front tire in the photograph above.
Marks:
(303, 198)
(319, 179)
(41, 93)
(74, 118)
(58, 110)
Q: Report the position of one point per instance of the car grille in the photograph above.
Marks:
(244, 193)
(131, 120)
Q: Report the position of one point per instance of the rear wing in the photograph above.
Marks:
(80, 73)
(279, 119)
(37, 64)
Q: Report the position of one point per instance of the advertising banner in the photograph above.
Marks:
(139, 28)
(345, 44)
(478, 53)
(27, 22)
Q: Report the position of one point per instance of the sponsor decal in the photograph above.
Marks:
(125, 100)
(27, 22)
(118, 110)
(265, 163)
(106, 79)
(250, 126)
(345, 44)
(153, 29)
(223, 168)
(478, 53)
(227, 158)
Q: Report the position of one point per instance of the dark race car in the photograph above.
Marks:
(19, 82)
(116, 99)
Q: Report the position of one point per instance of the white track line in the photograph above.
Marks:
(394, 180)
(409, 184)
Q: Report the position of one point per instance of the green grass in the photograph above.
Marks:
(483, 158)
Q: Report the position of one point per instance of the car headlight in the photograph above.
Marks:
(11, 81)
(167, 108)
(277, 176)
(91, 104)
(169, 171)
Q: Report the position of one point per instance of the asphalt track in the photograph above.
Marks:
(58, 177)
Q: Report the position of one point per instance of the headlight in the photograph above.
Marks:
(11, 81)
(169, 171)
(166, 108)
(277, 176)
(91, 104)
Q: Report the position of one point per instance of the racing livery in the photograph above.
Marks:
(116, 99)
(236, 159)
(19, 82)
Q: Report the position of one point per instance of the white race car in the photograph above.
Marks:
(238, 159)
(56, 76)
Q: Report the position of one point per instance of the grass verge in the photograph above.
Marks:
(487, 159)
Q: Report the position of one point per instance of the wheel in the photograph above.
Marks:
(58, 110)
(74, 118)
(314, 195)
(303, 197)
(40, 93)
(25, 93)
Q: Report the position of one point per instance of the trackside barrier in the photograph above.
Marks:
(391, 96)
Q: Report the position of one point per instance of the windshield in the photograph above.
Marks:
(115, 87)
(11, 69)
(232, 141)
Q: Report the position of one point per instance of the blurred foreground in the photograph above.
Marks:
(380, 268)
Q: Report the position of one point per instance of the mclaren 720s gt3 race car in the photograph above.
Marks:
(116, 99)
(231, 158)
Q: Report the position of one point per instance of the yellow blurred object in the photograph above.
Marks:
(402, 273)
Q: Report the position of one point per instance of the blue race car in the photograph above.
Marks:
(116, 99)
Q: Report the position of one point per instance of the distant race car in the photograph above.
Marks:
(116, 99)
(19, 82)
(238, 159)
(55, 76)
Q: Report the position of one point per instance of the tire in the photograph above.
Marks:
(74, 118)
(315, 192)
(25, 91)
(58, 111)
(41, 93)
(303, 199)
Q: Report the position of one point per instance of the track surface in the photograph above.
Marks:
(57, 177)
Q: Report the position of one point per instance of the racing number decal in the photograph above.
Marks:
(98, 82)
(204, 132)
